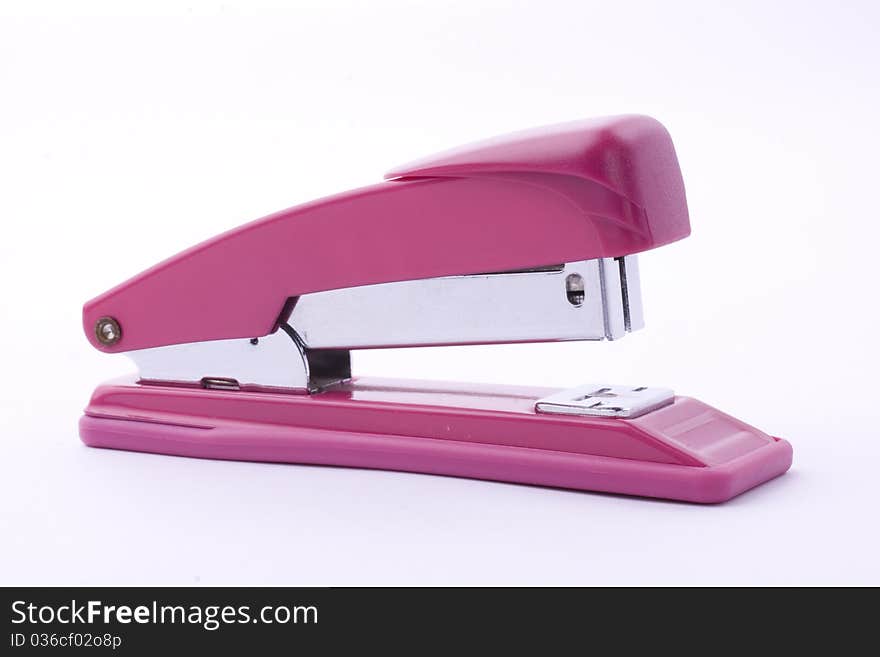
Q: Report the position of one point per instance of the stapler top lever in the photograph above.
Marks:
(520, 207)
(529, 237)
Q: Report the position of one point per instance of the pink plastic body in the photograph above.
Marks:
(601, 188)
(686, 451)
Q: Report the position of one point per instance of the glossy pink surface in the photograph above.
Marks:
(686, 451)
(601, 188)
(631, 155)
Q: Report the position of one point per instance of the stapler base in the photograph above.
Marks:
(686, 451)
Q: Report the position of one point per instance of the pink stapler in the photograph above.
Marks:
(243, 342)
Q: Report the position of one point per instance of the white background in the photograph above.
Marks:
(127, 135)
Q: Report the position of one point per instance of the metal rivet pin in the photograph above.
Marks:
(108, 331)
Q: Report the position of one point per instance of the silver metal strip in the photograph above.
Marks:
(630, 284)
(523, 306)
(606, 401)
(273, 361)
(587, 300)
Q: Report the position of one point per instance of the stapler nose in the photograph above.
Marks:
(621, 171)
